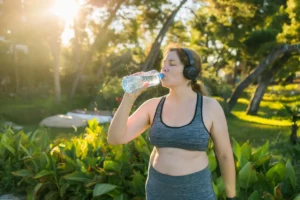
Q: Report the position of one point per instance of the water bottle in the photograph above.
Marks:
(132, 83)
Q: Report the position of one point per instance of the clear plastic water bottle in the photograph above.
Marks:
(133, 83)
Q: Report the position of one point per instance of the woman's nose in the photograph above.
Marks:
(165, 68)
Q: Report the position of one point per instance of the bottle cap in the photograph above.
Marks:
(161, 75)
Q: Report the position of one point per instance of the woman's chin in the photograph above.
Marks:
(165, 85)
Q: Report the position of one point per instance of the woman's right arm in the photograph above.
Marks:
(123, 128)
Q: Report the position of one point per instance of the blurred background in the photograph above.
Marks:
(56, 56)
(62, 56)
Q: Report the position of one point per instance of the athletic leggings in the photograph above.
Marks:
(194, 186)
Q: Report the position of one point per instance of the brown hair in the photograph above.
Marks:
(196, 84)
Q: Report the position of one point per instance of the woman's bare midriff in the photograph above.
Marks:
(178, 162)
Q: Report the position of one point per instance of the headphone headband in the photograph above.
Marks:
(190, 56)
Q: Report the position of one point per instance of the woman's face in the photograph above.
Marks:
(172, 68)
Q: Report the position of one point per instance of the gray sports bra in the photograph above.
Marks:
(192, 136)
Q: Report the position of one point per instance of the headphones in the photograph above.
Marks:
(190, 71)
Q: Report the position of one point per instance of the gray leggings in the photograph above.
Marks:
(195, 186)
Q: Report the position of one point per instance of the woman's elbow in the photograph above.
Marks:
(114, 142)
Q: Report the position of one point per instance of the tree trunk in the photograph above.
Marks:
(258, 95)
(293, 136)
(54, 43)
(76, 44)
(273, 56)
(14, 60)
(235, 69)
(154, 52)
(100, 38)
(265, 80)
(57, 79)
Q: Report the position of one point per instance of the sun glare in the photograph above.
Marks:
(66, 9)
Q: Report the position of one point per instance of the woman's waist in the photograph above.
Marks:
(179, 163)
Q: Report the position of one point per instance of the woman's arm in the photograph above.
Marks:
(123, 128)
(223, 149)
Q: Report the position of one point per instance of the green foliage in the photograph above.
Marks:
(81, 168)
(260, 173)
(109, 94)
(86, 167)
(257, 38)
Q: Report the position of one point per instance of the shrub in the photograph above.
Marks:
(86, 167)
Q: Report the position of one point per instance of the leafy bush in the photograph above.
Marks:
(260, 174)
(86, 167)
(81, 168)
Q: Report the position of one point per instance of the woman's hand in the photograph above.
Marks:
(134, 95)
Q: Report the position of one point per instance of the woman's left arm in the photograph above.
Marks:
(223, 149)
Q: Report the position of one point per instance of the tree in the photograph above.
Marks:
(269, 60)
(100, 38)
(154, 52)
(265, 79)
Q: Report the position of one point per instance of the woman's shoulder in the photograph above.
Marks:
(211, 103)
(153, 102)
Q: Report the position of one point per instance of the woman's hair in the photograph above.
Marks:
(196, 85)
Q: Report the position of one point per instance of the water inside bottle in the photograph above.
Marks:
(132, 83)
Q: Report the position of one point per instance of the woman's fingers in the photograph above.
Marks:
(141, 90)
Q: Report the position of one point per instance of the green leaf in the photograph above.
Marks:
(247, 176)
(254, 196)
(63, 189)
(276, 173)
(212, 161)
(45, 157)
(237, 152)
(77, 176)
(51, 195)
(110, 165)
(92, 124)
(121, 197)
(37, 188)
(102, 188)
(297, 197)
(262, 160)
(290, 174)
(44, 173)
(141, 145)
(261, 152)
(236, 149)
(23, 173)
(215, 188)
(138, 183)
(246, 150)
(25, 150)
(220, 185)
(9, 148)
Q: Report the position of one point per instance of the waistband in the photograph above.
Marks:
(200, 177)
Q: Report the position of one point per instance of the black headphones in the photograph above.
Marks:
(190, 71)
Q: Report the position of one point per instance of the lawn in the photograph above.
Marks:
(272, 122)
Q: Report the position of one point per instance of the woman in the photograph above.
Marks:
(181, 124)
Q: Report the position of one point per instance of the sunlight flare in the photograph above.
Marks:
(66, 9)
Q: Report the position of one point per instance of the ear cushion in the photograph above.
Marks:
(190, 72)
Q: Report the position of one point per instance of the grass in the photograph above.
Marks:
(257, 134)
(32, 111)
(272, 122)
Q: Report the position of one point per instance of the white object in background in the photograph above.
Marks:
(63, 121)
(99, 118)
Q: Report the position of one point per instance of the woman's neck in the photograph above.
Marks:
(181, 94)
